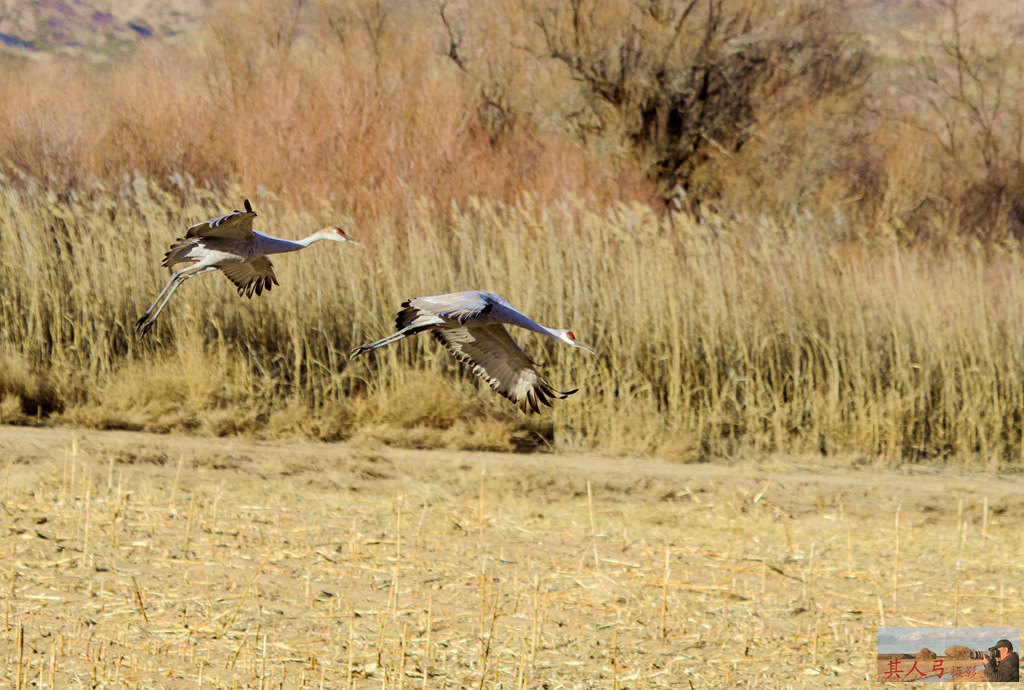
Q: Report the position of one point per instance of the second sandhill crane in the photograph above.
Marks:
(230, 244)
(471, 326)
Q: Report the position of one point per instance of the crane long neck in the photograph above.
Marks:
(268, 244)
(530, 324)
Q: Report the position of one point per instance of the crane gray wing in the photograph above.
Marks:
(457, 306)
(234, 226)
(497, 359)
(251, 276)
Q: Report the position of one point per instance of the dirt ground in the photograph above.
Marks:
(137, 560)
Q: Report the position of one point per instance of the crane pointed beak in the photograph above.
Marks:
(352, 241)
(583, 347)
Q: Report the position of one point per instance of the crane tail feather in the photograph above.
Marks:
(178, 252)
(532, 398)
(542, 395)
(409, 321)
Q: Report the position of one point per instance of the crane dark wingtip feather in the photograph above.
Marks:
(406, 316)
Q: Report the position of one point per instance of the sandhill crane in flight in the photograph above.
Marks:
(470, 325)
(230, 244)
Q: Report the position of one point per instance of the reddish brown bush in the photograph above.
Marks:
(958, 651)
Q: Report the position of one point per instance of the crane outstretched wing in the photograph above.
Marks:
(457, 306)
(251, 276)
(497, 359)
(234, 226)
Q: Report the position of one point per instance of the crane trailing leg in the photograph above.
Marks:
(147, 320)
(409, 321)
(382, 342)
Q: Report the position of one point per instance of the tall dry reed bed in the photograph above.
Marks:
(713, 335)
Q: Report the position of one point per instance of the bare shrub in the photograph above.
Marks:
(968, 105)
(11, 409)
(24, 390)
(958, 651)
(421, 400)
(340, 104)
(682, 80)
(194, 387)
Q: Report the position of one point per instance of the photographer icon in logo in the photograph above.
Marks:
(1001, 662)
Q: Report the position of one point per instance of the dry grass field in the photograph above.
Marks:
(137, 560)
(713, 336)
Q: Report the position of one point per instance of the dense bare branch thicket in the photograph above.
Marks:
(968, 100)
(680, 80)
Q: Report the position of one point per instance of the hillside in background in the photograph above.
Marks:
(94, 30)
(100, 29)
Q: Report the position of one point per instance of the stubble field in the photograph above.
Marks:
(137, 560)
